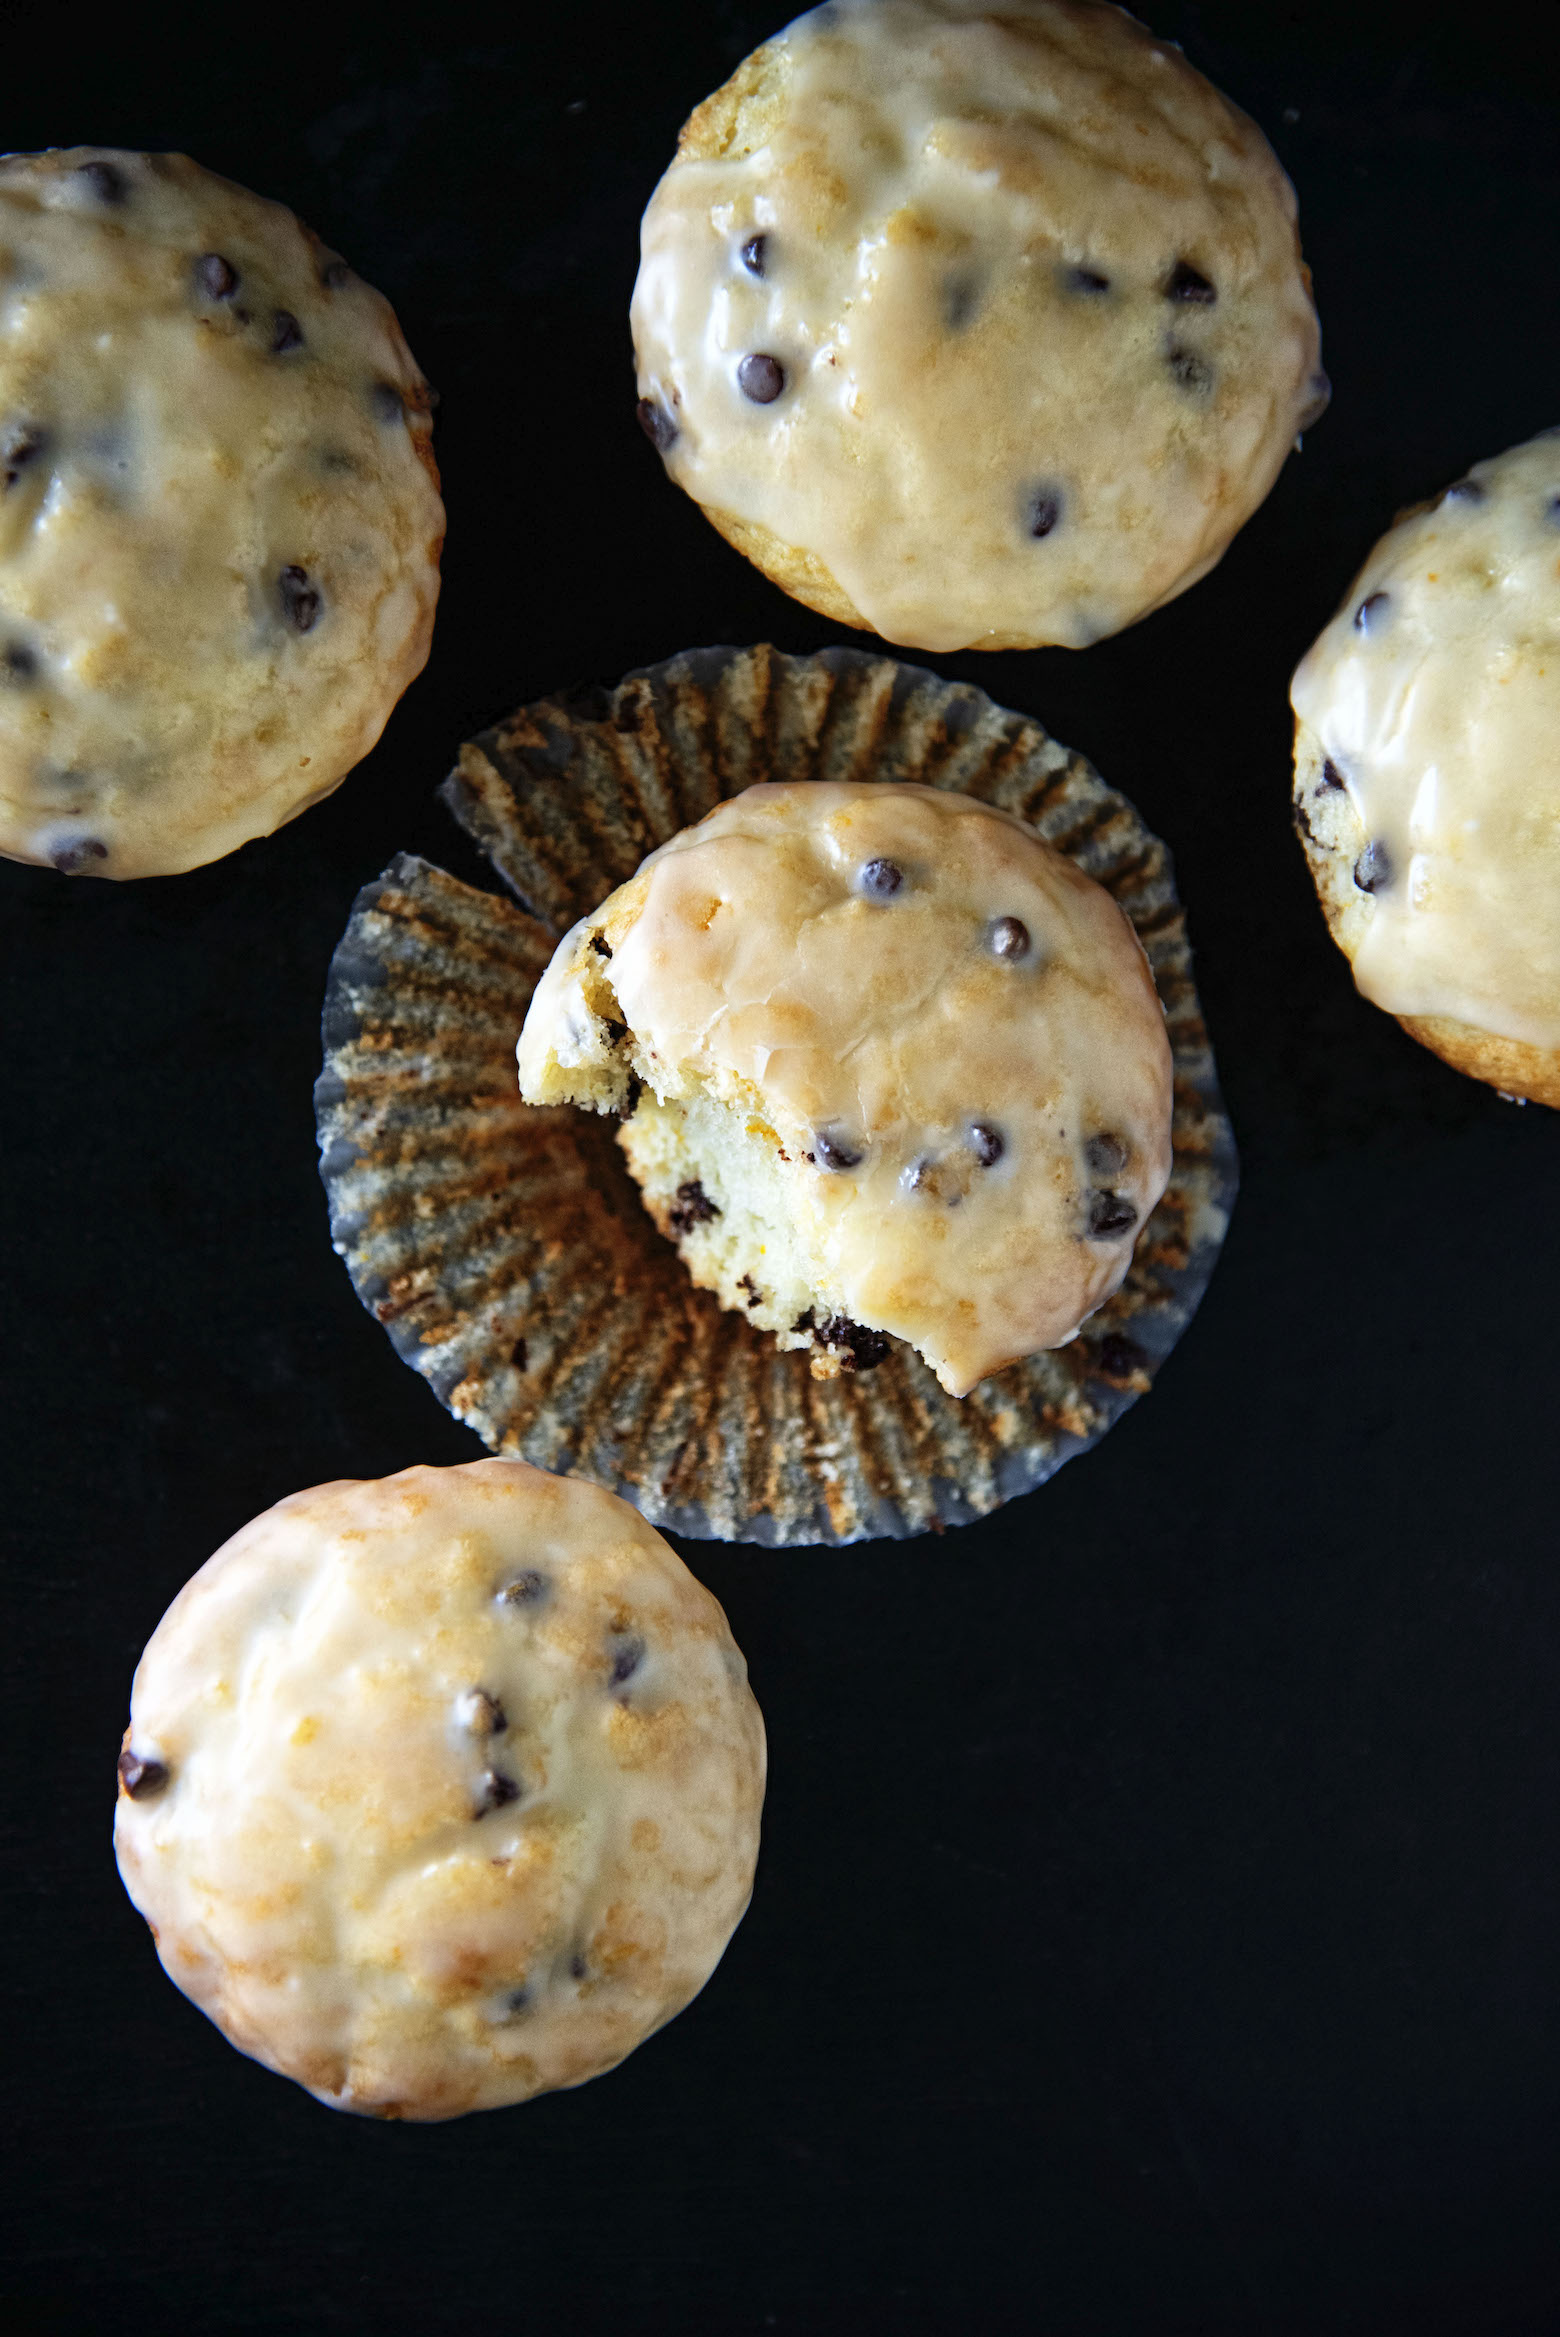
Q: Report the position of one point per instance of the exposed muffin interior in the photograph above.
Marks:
(887, 1066)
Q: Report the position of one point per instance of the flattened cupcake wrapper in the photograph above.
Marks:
(505, 1249)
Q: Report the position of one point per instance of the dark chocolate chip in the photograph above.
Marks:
(1106, 1155)
(1188, 283)
(747, 1283)
(627, 1657)
(300, 599)
(656, 423)
(858, 1348)
(1109, 1214)
(494, 1790)
(141, 1778)
(286, 332)
(483, 1714)
(107, 181)
(1318, 401)
(517, 2001)
(387, 401)
(334, 274)
(986, 1144)
(1120, 1356)
(754, 252)
(1373, 869)
(1372, 612)
(881, 879)
(692, 1207)
(761, 378)
(961, 298)
(518, 1354)
(17, 664)
(835, 1152)
(1045, 510)
(1010, 939)
(803, 1322)
(73, 857)
(18, 448)
(525, 1590)
(1464, 491)
(1088, 281)
(918, 1176)
(1189, 371)
(577, 1966)
(215, 276)
(1332, 778)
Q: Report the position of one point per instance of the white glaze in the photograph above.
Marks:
(1441, 713)
(921, 157)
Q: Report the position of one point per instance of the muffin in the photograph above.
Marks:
(1427, 772)
(976, 327)
(219, 514)
(887, 1066)
(441, 1791)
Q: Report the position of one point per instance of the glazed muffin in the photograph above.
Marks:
(889, 1067)
(976, 327)
(443, 1790)
(219, 514)
(1427, 772)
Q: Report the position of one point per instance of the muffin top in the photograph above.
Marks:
(998, 314)
(442, 1790)
(947, 1027)
(219, 514)
(1433, 698)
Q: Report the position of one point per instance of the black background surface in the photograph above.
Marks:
(1159, 1919)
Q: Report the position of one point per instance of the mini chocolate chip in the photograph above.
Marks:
(577, 1966)
(987, 1146)
(1189, 371)
(1553, 513)
(525, 1590)
(334, 274)
(1109, 1214)
(1371, 614)
(917, 1178)
(961, 298)
(803, 1322)
(1331, 779)
(72, 858)
(600, 944)
(482, 1714)
(518, 1353)
(1010, 939)
(387, 401)
(656, 423)
(494, 1790)
(1087, 281)
(753, 254)
(1120, 1356)
(215, 276)
(627, 1657)
(1317, 402)
(17, 664)
(747, 1283)
(1464, 491)
(19, 447)
(139, 1777)
(1045, 510)
(107, 181)
(858, 1348)
(286, 333)
(835, 1152)
(1106, 1155)
(761, 378)
(517, 2001)
(692, 1207)
(881, 879)
(1188, 283)
(300, 599)
(1373, 869)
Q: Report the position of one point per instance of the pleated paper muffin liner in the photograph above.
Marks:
(505, 1249)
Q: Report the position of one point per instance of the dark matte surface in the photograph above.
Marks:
(1159, 1922)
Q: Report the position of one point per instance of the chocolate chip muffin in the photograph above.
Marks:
(890, 1066)
(441, 1791)
(975, 326)
(219, 514)
(1427, 772)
